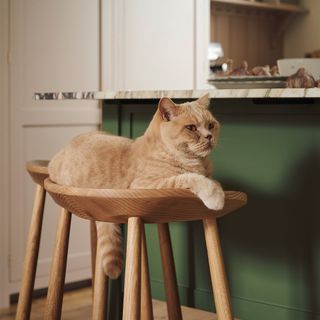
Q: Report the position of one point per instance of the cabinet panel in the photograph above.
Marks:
(153, 47)
(49, 51)
(159, 44)
(271, 246)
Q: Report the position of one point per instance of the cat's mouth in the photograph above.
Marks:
(208, 148)
(202, 149)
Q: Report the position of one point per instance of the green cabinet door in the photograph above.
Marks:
(271, 246)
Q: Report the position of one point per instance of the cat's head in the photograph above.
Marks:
(188, 128)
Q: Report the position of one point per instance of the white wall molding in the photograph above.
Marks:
(112, 44)
(51, 116)
(202, 39)
(4, 154)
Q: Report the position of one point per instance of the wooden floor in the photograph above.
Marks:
(77, 305)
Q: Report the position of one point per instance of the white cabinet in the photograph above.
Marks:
(63, 46)
(54, 46)
(159, 44)
(153, 45)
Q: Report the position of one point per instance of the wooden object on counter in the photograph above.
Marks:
(136, 207)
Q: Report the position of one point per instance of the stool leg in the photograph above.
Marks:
(31, 258)
(217, 271)
(58, 269)
(169, 273)
(100, 290)
(146, 300)
(93, 242)
(132, 283)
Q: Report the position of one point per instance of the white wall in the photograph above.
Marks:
(303, 33)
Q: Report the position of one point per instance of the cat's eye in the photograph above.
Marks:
(191, 127)
(211, 125)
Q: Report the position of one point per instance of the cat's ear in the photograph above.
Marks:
(168, 109)
(204, 100)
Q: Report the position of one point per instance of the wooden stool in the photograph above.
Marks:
(38, 170)
(136, 207)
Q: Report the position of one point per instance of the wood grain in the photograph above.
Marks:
(77, 305)
(136, 206)
(31, 257)
(38, 170)
(100, 290)
(151, 205)
(93, 245)
(217, 270)
(146, 300)
(169, 273)
(132, 283)
(58, 269)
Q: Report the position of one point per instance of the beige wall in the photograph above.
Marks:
(303, 33)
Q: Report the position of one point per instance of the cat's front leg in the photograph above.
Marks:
(209, 191)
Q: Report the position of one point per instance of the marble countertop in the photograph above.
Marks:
(181, 94)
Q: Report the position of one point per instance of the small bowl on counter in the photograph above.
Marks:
(288, 67)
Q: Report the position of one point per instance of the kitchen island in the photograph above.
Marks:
(270, 149)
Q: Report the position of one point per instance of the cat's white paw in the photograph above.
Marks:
(215, 202)
(215, 199)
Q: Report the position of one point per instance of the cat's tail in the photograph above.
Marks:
(110, 244)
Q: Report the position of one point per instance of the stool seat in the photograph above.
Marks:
(38, 170)
(151, 205)
(136, 207)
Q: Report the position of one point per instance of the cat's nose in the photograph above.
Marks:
(209, 137)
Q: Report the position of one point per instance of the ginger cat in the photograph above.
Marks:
(172, 153)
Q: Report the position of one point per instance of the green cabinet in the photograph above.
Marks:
(269, 149)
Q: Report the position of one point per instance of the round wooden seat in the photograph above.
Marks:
(136, 207)
(151, 205)
(38, 170)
